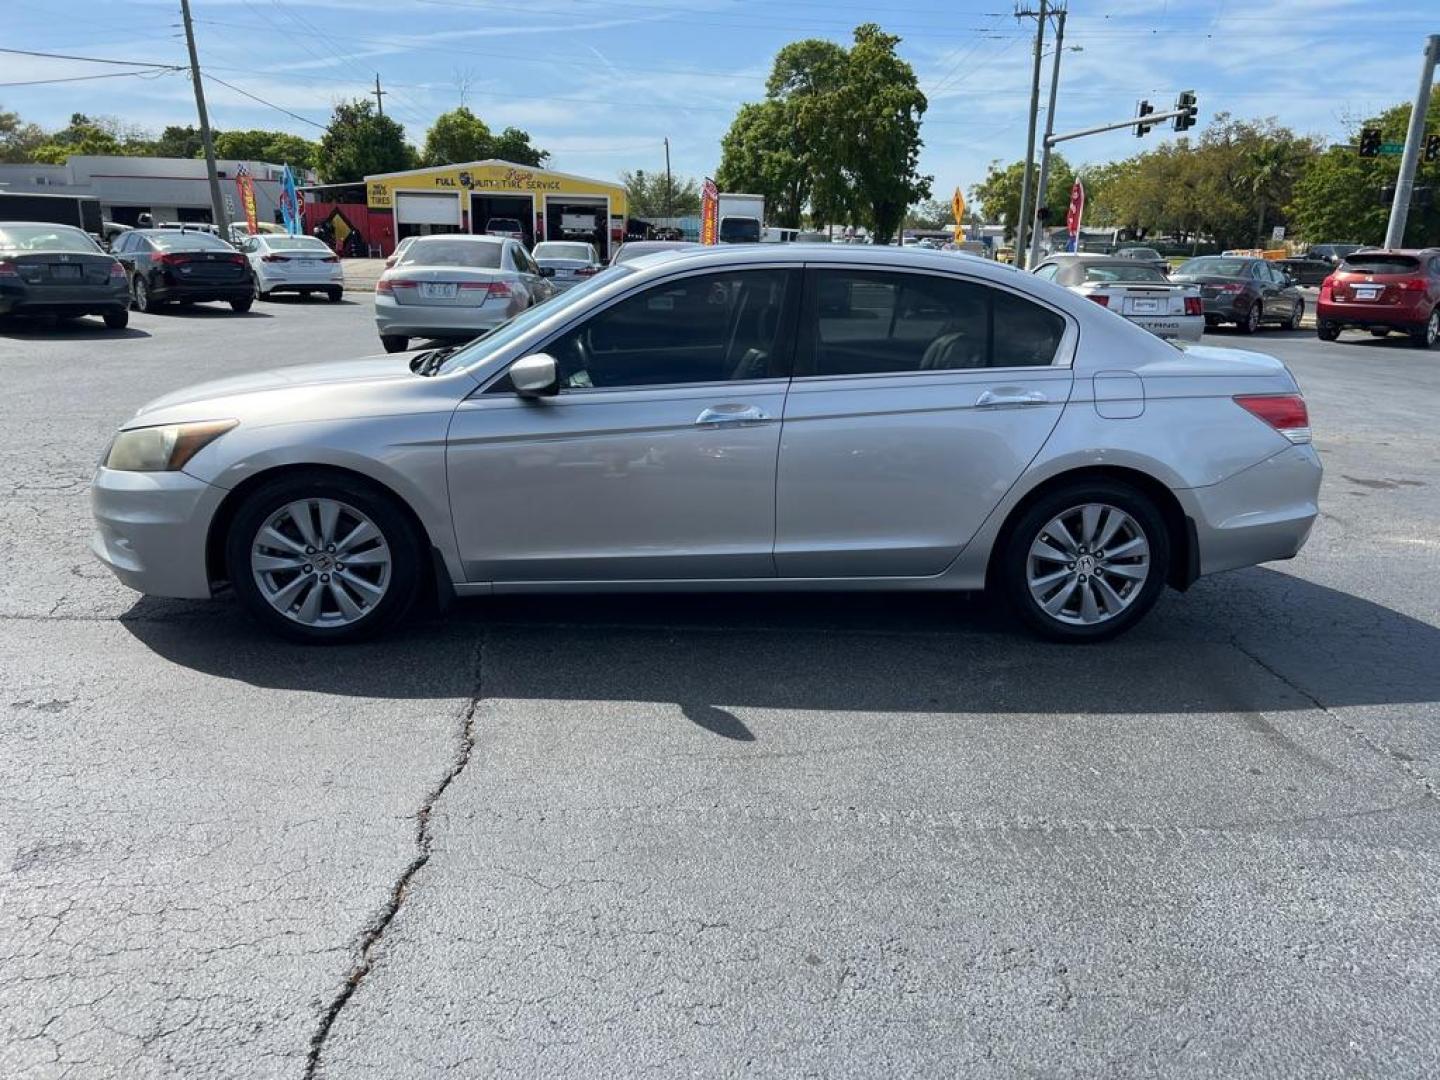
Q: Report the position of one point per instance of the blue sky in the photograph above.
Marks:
(601, 82)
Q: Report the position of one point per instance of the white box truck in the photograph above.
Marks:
(741, 218)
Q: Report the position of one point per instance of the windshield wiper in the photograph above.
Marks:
(428, 363)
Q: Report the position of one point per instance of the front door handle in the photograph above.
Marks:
(1009, 399)
(731, 414)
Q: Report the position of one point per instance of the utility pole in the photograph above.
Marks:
(217, 204)
(1414, 137)
(1041, 16)
(379, 96)
(669, 187)
(1043, 181)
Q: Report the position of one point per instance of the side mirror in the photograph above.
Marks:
(535, 375)
(547, 271)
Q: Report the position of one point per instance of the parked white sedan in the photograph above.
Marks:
(298, 264)
(1133, 289)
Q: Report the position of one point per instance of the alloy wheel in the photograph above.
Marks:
(1088, 564)
(321, 562)
(142, 295)
(1252, 320)
(1432, 329)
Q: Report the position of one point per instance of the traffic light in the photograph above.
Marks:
(1432, 148)
(1186, 102)
(1145, 110)
(1370, 142)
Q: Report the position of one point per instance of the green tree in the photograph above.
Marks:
(180, 142)
(999, 193)
(358, 143)
(513, 144)
(647, 196)
(275, 147)
(930, 214)
(18, 140)
(757, 155)
(880, 131)
(457, 136)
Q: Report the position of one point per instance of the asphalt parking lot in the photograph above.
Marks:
(740, 836)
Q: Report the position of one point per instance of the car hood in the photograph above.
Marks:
(208, 400)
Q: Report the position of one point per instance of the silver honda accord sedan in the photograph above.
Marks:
(746, 418)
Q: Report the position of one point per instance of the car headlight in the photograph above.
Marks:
(165, 448)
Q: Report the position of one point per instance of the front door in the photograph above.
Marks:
(656, 458)
(918, 400)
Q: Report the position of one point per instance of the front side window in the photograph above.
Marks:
(705, 328)
(1048, 271)
(863, 322)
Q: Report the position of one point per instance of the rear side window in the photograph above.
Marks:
(863, 322)
(1381, 264)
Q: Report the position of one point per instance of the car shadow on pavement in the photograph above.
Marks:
(82, 329)
(207, 311)
(1253, 641)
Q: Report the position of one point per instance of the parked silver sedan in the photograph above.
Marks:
(777, 417)
(456, 287)
(572, 260)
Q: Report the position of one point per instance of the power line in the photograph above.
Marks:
(88, 78)
(93, 59)
(262, 101)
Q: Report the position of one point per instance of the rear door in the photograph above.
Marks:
(918, 400)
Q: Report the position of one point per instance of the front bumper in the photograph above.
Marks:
(151, 529)
(437, 321)
(1261, 513)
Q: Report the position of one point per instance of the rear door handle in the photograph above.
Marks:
(1009, 399)
(731, 414)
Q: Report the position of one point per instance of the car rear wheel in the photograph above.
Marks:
(1427, 335)
(117, 318)
(335, 295)
(394, 342)
(1086, 562)
(323, 559)
(1251, 321)
(1327, 331)
(141, 292)
(242, 304)
(1297, 316)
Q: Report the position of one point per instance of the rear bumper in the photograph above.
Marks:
(1260, 514)
(202, 291)
(333, 278)
(420, 320)
(150, 529)
(1407, 316)
(1171, 327)
(1227, 308)
(22, 301)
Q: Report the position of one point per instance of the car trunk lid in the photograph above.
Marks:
(448, 286)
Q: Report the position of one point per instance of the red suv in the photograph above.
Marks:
(1382, 291)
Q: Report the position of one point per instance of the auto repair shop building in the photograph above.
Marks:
(464, 198)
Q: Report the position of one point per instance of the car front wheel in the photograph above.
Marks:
(1086, 562)
(322, 558)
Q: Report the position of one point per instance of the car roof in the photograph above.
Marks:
(47, 224)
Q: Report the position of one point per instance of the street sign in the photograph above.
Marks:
(1277, 233)
(1393, 149)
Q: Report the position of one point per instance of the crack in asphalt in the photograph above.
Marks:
(372, 935)
(1405, 763)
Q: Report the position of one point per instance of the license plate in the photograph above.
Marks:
(437, 290)
(65, 273)
(1366, 292)
(1144, 306)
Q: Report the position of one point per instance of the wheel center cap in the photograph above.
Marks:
(324, 562)
(1085, 564)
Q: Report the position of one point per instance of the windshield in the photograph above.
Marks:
(562, 251)
(188, 241)
(1381, 264)
(1123, 272)
(295, 243)
(739, 230)
(1218, 267)
(44, 238)
(475, 254)
(508, 331)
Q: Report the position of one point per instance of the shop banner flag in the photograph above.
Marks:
(709, 213)
(290, 203)
(245, 188)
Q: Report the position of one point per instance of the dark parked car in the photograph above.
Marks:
(1147, 255)
(1333, 253)
(59, 270)
(1381, 291)
(1243, 290)
(185, 266)
(1307, 269)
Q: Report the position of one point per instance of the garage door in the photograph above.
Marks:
(427, 208)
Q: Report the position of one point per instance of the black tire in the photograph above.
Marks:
(1426, 336)
(335, 295)
(141, 292)
(1379, 331)
(1211, 322)
(1013, 559)
(242, 304)
(304, 294)
(1251, 321)
(394, 342)
(406, 545)
(1296, 317)
(116, 318)
(1327, 331)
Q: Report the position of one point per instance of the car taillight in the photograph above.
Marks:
(8, 268)
(587, 271)
(238, 259)
(116, 269)
(1232, 287)
(1194, 306)
(1286, 413)
(490, 288)
(1327, 286)
(1101, 299)
(331, 259)
(170, 259)
(1413, 284)
(273, 258)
